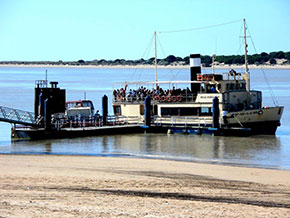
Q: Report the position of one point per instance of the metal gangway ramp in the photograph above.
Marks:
(15, 116)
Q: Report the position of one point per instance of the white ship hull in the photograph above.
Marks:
(262, 121)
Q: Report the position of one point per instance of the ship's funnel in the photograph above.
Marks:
(195, 69)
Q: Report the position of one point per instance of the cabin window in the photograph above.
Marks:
(226, 97)
(228, 86)
(117, 110)
(178, 111)
(202, 87)
(171, 111)
(88, 104)
(164, 111)
(205, 111)
(188, 111)
(142, 109)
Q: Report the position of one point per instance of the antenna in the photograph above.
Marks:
(213, 56)
(46, 78)
(246, 58)
(155, 43)
(85, 95)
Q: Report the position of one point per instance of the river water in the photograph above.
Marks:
(17, 91)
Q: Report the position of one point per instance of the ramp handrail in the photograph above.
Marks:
(17, 116)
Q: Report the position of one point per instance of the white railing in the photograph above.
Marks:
(123, 120)
(181, 121)
(97, 122)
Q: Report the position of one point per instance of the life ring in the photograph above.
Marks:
(199, 77)
(163, 98)
(168, 98)
(119, 98)
(157, 97)
(179, 98)
(173, 98)
(207, 77)
(260, 112)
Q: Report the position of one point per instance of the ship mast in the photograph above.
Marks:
(155, 44)
(246, 58)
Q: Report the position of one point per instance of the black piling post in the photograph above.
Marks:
(105, 109)
(147, 111)
(47, 114)
(39, 106)
(215, 113)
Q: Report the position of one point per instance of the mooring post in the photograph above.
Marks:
(105, 109)
(47, 114)
(147, 111)
(215, 113)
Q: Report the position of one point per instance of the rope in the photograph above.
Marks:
(161, 46)
(146, 55)
(201, 28)
(146, 52)
(175, 75)
(159, 42)
(171, 71)
(275, 101)
(240, 41)
(193, 29)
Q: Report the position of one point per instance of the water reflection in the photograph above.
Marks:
(105, 144)
(256, 150)
(48, 147)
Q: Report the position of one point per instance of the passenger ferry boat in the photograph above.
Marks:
(219, 104)
(181, 108)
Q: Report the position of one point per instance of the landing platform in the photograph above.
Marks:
(41, 133)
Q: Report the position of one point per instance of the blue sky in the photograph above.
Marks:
(110, 29)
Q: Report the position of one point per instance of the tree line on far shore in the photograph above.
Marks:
(271, 58)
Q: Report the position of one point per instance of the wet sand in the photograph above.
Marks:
(79, 186)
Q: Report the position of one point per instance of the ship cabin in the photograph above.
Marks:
(81, 109)
(176, 99)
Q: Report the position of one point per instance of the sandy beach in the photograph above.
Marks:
(80, 186)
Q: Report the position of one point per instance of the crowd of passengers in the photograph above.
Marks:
(142, 92)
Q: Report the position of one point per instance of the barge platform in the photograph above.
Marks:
(24, 133)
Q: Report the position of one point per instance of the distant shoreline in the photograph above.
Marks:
(145, 66)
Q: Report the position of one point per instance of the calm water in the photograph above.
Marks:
(17, 91)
